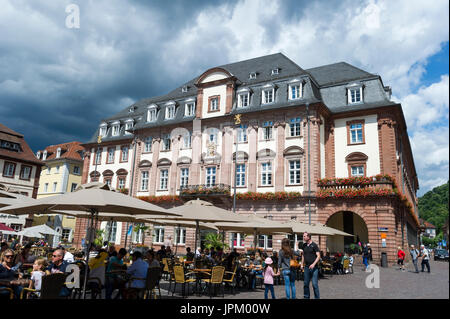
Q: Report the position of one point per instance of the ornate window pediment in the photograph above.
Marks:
(356, 157)
(164, 162)
(144, 163)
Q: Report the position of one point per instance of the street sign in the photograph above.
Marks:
(382, 229)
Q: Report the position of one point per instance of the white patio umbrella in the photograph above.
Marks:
(8, 199)
(92, 200)
(40, 229)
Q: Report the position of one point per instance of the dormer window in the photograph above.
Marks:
(355, 94)
(58, 152)
(243, 99)
(190, 109)
(38, 154)
(115, 129)
(268, 95)
(170, 111)
(184, 89)
(44, 157)
(132, 109)
(295, 91)
(128, 126)
(275, 71)
(103, 129)
(151, 113)
(252, 76)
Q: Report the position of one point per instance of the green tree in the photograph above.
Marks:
(433, 206)
(143, 228)
(98, 241)
(214, 240)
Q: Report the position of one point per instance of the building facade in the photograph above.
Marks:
(325, 144)
(62, 173)
(20, 172)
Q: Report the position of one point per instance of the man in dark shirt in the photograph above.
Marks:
(59, 265)
(310, 261)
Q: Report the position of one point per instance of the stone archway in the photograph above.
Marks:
(348, 222)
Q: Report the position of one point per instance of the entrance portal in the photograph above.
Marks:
(351, 223)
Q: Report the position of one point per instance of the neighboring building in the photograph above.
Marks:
(429, 229)
(184, 142)
(62, 173)
(20, 172)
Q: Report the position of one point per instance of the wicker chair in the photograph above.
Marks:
(216, 279)
(231, 279)
(11, 292)
(181, 278)
(51, 287)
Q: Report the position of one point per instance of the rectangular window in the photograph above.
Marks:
(170, 112)
(57, 169)
(214, 104)
(267, 130)
(111, 231)
(76, 170)
(163, 179)
(65, 234)
(55, 184)
(124, 157)
(151, 115)
(243, 100)
(356, 133)
(107, 181)
(148, 144)
(111, 152)
(116, 130)
(190, 109)
(294, 91)
(98, 157)
(355, 95)
(25, 172)
(128, 126)
(265, 241)
(180, 235)
(73, 187)
(103, 131)
(166, 142)
(187, 141)
(237, 240)
(137, 236)
(210, 176)
(9, 169)
(240, 175)
(49, 170)
(294, 172)
(357, 170)
(266, 174)
(242, 133)
(46, 188)
(144, 181)
(121, 183)
(158, 234)
(294, 127)
(184, 179)
(267, 96)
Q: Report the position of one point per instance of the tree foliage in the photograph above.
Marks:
(433, 206)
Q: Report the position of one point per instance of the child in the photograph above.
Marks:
(38, 272)
(352, 259)
(268, 278)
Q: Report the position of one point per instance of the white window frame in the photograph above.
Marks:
(170, 112)
(295, 127)
(166, 143)
(265, 239)
(187, 141)
(298, 91)
(136, 237)
(189, 109)
(111, 231)
(267, 130)
(121, 182)
(184, 177)
(270, 98)
(359, 173)
(266, 174)
(58, 152)
(243, 99)
(128, 125)
(148, 141)
(46, 188)
(144, 180)
(214, 104)
(158, 234)
(116, 130)
(65, 234)
(242, 133)
(44, 157)
(294, 172)
(152, 114)
(125, 155)
(210, 176)
(356, 129)
(110, 158)
(103, 131)
(27, 170)
(180, 236)
(352, 98)
(240, 240)
(240, 175)
(55, 186)
(164, 179)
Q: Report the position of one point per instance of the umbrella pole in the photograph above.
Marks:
(196, 233)
(176, 239)
(87, 253)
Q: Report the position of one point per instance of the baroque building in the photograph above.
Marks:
(325, 144)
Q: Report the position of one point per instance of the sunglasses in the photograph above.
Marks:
(9, 256)
(56, 256)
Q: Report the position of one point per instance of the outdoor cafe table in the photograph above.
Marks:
(201, 273)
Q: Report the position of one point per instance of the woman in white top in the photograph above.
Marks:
(36, 275)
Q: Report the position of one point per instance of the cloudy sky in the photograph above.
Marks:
(57, 83)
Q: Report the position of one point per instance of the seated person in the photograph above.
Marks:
(9, 271)
(189, 254)
(113, 281)
(161, 253)
(25, 256)
(36, 275)
(151, 260)
(58, 265)
(255, 267)
(112, 251)
(138, 273)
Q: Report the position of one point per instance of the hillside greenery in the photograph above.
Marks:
(433, 206)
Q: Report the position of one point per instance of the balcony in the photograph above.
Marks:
(217, 194)
(356, 187)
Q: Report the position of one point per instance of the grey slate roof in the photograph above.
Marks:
(338, 73)
(314, 80)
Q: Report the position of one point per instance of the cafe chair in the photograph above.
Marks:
(230, 279)
(165, 271)
(181, 278)
(216, 279)
(346, 266)
(50, 288)
(11, 292)
(152, 282)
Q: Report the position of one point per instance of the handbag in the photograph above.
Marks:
(293, 263)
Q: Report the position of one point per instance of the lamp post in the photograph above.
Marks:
(309, 170)
(237, 122)
(131, 180)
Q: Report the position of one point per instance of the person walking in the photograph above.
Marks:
(425, 254)
(284, 265)
(310, 264)
(414, 256)
(268, 278)
(365, 254)
(401, 258)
